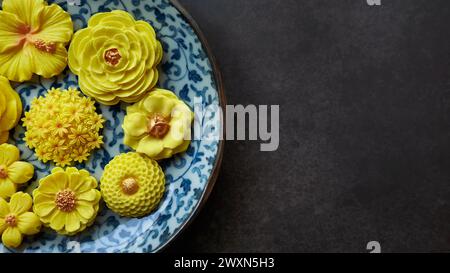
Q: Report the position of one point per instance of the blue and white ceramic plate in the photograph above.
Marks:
(189, 71)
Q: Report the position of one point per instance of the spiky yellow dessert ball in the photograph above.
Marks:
(132, 185)
(63, 127)
(115, 57)
(67, 200)
(10, 109)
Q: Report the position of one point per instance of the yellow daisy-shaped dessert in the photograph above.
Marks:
(63, 127)
(132, 185)
(33, 39)
(10, 109)
(13, 172)
(67, 201)
(115, 57)
(17, 220)
(159, 125)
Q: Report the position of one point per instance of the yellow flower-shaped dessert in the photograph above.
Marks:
(10, 109)
(17, 220)
(33, 39)
(115, 57)
(132, 185)
(63, 127)
(159, 125)
(12, 171)
(67, 201)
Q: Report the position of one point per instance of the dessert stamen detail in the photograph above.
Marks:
(130, 186)
(3, 172)
(112, 56)
(158, 126)
(65, 200)
(11, 220)
(48, 47)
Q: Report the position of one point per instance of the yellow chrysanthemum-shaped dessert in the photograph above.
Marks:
(67, 201)
(17, 220)
(13, 172)
(10, 108)
(63, 127)
(159, 125)
(132, 185)
(33, 39)
(115, 57)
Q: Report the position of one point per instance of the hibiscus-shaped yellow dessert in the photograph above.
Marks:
(67, 201)
(10, 108)
(115, 57)
(33, 36)
(63, 127)
(13, 172)
(159, 125)
(17, 220)
(132, 185)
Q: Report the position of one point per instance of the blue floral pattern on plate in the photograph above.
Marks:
(187, 71)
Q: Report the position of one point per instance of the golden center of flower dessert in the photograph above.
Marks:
(11, 220)
(158, 126)
(3, 172)
(129, 186)
(65, 200)
(49, 47)
(112, 56)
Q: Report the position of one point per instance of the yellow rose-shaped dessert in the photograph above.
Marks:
(17, 220)
(12, 171)
(63, 127)
(10, 109)
(67, 201)
(115, 57)
(159, 125)
(33, 39)
(132, 185)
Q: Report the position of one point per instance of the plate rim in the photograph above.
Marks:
(222, 103)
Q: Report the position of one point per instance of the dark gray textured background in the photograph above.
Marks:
(364, 94)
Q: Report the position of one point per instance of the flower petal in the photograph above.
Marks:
(72, 222)
(53, 183)
(12, 237)
(16, 65)
(7, 188)
(4, 208)
(20, 172)
(56, 25)
(3, 225)
(88, 195)
(8, 30)
(4, 136)
(85, 210)
(135, 124)
(28, 223)
(8, 154)
(159, 104)
(27, 10)
(44, 209)
(20, 202)
(46, 64)
(150, 146)
(58, 220)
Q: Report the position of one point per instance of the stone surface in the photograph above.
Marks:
(364, 94)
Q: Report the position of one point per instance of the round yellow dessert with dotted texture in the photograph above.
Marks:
(132, 185)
